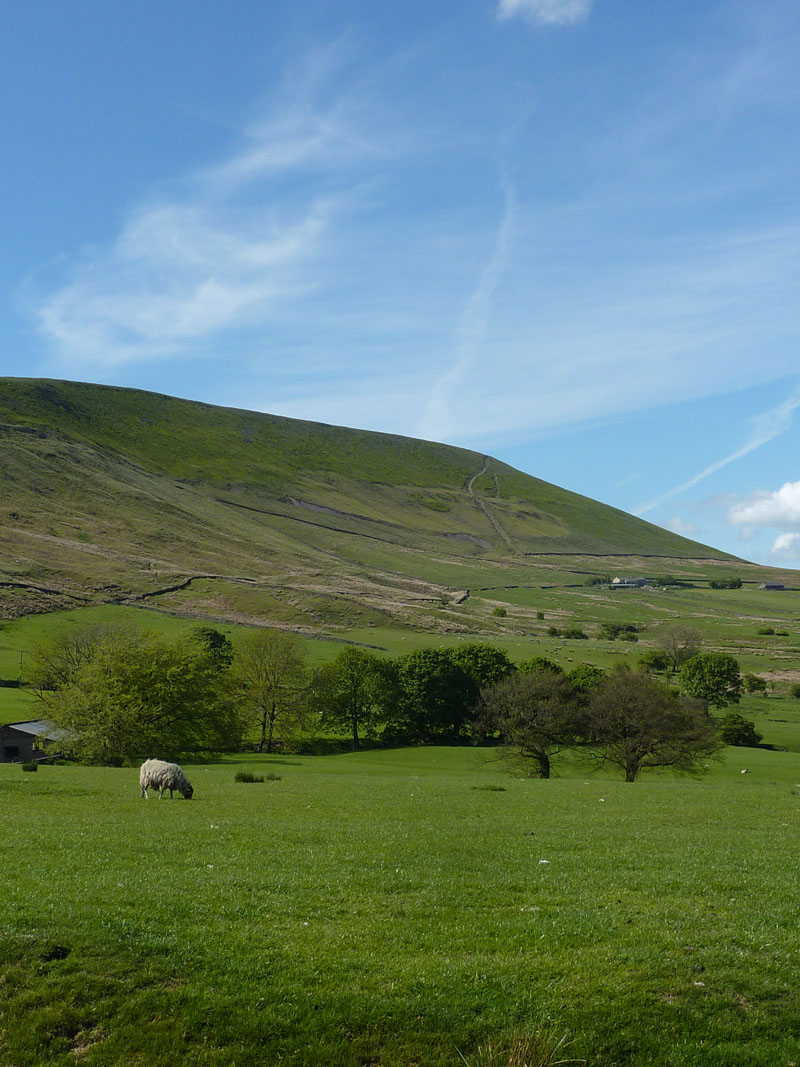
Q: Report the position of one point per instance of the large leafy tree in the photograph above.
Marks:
(141, 694)
(485, 664)
(714, 677)
(536, 715)
(348, 692)
(636, 722)
(433, 696)
(270, 679)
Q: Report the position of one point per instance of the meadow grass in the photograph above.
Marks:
(397, 908)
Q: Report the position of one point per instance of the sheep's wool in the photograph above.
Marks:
(156, 774)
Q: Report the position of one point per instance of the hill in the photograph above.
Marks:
(114, 495)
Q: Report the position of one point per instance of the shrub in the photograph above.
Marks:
(626, 631)
(500, 613)
(754, 684)
(795, 691)
(30, 766)
(553, 631)
(654, 661)
(765, 631)
(575, 633)
(248, 776)
(540, 615)
(739, 731)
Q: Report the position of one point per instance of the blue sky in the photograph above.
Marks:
(563, 232)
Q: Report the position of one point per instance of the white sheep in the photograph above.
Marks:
(156, 774)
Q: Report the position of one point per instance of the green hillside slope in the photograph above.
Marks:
(115, 494)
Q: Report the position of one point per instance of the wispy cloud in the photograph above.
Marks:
(224, 248)
(547, 12)
(765, 427)
(439, 421)
(680, 526)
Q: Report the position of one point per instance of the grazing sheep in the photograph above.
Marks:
(156, 774)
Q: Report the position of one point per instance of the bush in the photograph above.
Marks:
(795, 691)
(30, 766)
(626, 631)
(575, 633)
(739, 731)
(248, 776)
(765, 631)
(654, 661)
(499, 613)
(754, 684)
(553, 631)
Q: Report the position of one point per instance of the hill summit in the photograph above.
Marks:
(119, 495)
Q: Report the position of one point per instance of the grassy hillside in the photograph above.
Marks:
(116, 495)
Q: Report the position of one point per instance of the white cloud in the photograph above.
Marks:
(547, 12)
(786, 546)
(778, 509)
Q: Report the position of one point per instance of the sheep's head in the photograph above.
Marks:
(187, 792)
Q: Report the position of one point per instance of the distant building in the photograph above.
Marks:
(772, 585)
(21, 742)
(627, 583)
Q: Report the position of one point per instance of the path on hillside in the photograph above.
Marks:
(485, 509)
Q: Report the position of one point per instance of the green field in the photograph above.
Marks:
(396, 908)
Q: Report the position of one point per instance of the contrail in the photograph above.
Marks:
(473, 325)
(766, 426)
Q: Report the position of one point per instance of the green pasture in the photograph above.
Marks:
(400, 907)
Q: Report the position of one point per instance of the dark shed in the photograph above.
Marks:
(22, 741)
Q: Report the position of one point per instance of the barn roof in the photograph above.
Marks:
(42, 728)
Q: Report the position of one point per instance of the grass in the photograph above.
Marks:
(377, 908)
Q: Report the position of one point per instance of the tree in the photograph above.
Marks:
(739, 731)
(586, 677)
(713, 677)
(535, 715)
(347, 693)
(55, 663)
(218, 646)
(655, 661)
(679, 643)
(141, 694)
(433, 697)
(540, 664)
(485, 664)
(636, 722)
(270, 678)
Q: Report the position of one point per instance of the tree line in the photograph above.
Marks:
(119, 693)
